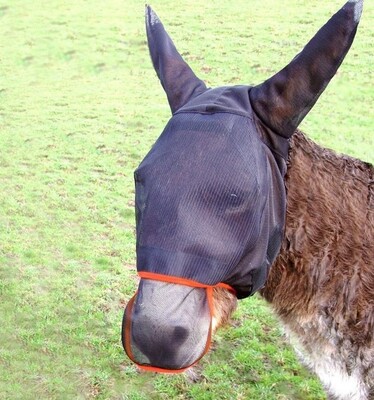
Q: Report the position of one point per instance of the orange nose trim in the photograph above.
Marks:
(126, 329)
(182, 281)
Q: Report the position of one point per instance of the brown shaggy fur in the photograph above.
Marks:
(322, 283)
(224, 305)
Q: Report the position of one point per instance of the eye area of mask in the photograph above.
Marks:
(167, 326)
(206, 194)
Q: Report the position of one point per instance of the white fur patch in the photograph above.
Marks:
(330, 369)
(342, 385)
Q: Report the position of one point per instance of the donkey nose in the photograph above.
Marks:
(180, 334)
(163, 345)
(169, 325)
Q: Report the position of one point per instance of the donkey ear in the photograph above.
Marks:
(177, 78)
(284, 100)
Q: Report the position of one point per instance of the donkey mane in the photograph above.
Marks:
(321, 284)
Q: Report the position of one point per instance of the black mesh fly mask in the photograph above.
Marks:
(210, 195)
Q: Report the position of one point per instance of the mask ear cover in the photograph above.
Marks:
(167, 324)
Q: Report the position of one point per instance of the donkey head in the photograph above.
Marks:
(210, 195)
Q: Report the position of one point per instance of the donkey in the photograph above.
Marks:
(232, 199)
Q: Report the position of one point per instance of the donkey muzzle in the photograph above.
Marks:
(166, 326)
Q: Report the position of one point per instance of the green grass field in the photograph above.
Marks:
(79, 108)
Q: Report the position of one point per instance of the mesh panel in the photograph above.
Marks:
(167, 326)
(204, 201)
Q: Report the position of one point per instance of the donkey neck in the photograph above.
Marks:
(327, 247)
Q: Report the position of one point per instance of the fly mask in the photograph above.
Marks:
(210, 195)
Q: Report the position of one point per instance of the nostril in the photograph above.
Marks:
(180, 334)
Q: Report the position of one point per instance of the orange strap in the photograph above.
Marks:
(182, 281)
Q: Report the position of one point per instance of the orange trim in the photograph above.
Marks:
(227, 287)
(209, 294)
(127, 331)
(171, 279)
(163, 370)
(182, 281)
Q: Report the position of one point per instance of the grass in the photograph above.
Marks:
(79, 107)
